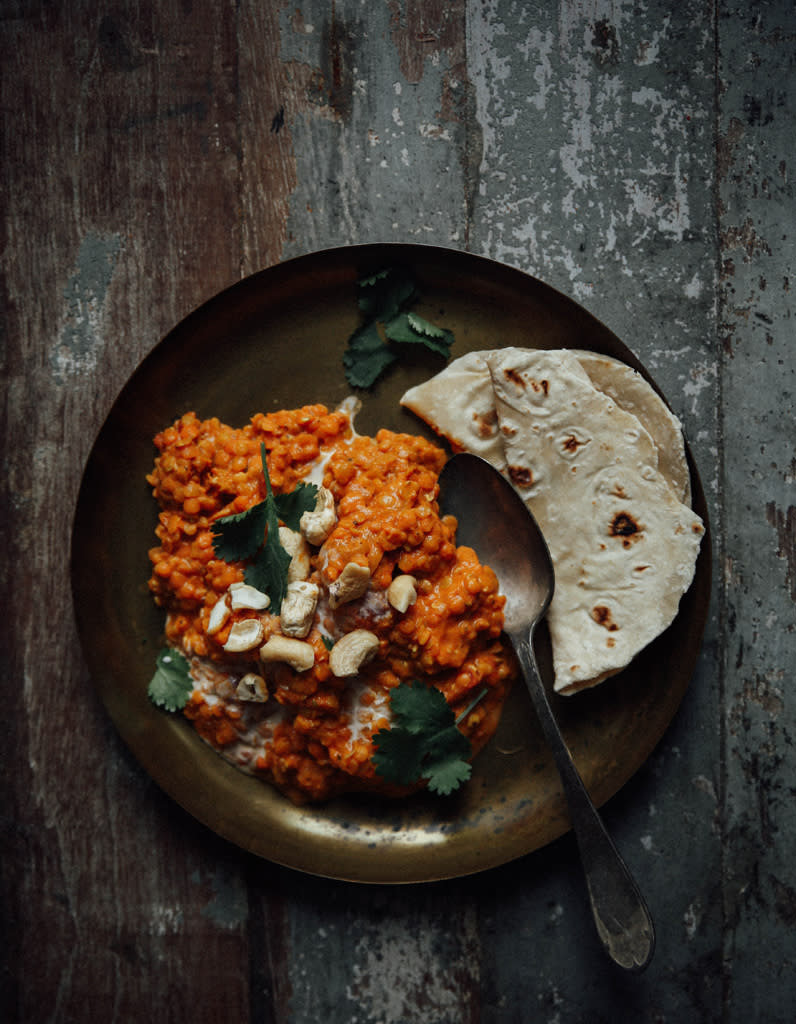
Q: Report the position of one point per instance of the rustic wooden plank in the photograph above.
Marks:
(272, 92)
(384, 954)
(380, 138)
(553, 129)
(152, 154)
(121, 171)
(758, 253)
(370, 132)
(596, 177)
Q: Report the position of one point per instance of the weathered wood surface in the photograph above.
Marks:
(639, 158)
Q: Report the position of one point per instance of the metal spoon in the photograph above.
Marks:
(494, 521)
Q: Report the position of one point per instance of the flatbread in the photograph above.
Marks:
(458, 403)
(623, 544)
(634, 394)
(617, 585)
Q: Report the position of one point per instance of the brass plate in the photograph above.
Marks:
(273, 341)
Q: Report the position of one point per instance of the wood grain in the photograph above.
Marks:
(123, 185)
(758, 252)
(635, 156)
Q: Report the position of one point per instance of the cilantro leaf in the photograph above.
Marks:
(421, 709)
(268, 571)
(439, 339)
(365, 282)
(270, 565)
(291, 506)
(409, 328)
(384, 298)
(383, 294)
(400, 757)
(420, 325)
(366, 357)
(423, 742)
(239, 535)
(171, 685)
(254, 534)
(450, 771)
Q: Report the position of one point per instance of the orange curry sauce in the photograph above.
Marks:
(312, 737)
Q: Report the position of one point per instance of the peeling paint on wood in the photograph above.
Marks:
(757, 247)
(636, 156)
(80, 337)
(784, 522)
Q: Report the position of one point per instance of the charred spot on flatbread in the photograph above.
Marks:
(521, 476)
(513, 376)
(601, 614)
(486, 424)
(572, 443)
(625, 526)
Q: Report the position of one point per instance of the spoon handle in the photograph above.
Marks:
(623, 921)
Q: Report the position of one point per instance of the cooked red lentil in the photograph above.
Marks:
(312, 734)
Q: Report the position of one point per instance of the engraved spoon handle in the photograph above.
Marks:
(623, 921)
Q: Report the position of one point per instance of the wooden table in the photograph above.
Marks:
(637, 157)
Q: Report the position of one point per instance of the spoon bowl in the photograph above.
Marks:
(495, 522)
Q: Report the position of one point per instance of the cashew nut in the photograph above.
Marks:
(298, 608)
(349, 585)
(252, 688)
(317, 524)
(241, 595)
(244, 635)
(219, 614)
(299, 551)
(296, 653)
(402, 592)
(351, 652)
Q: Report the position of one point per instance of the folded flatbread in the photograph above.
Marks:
(459, 404)
(603, 470)
(634, 394)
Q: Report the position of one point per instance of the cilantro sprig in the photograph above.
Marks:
(253, 535)
(171, 685)
(239, 536)
(424, 741)
(384, 299)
